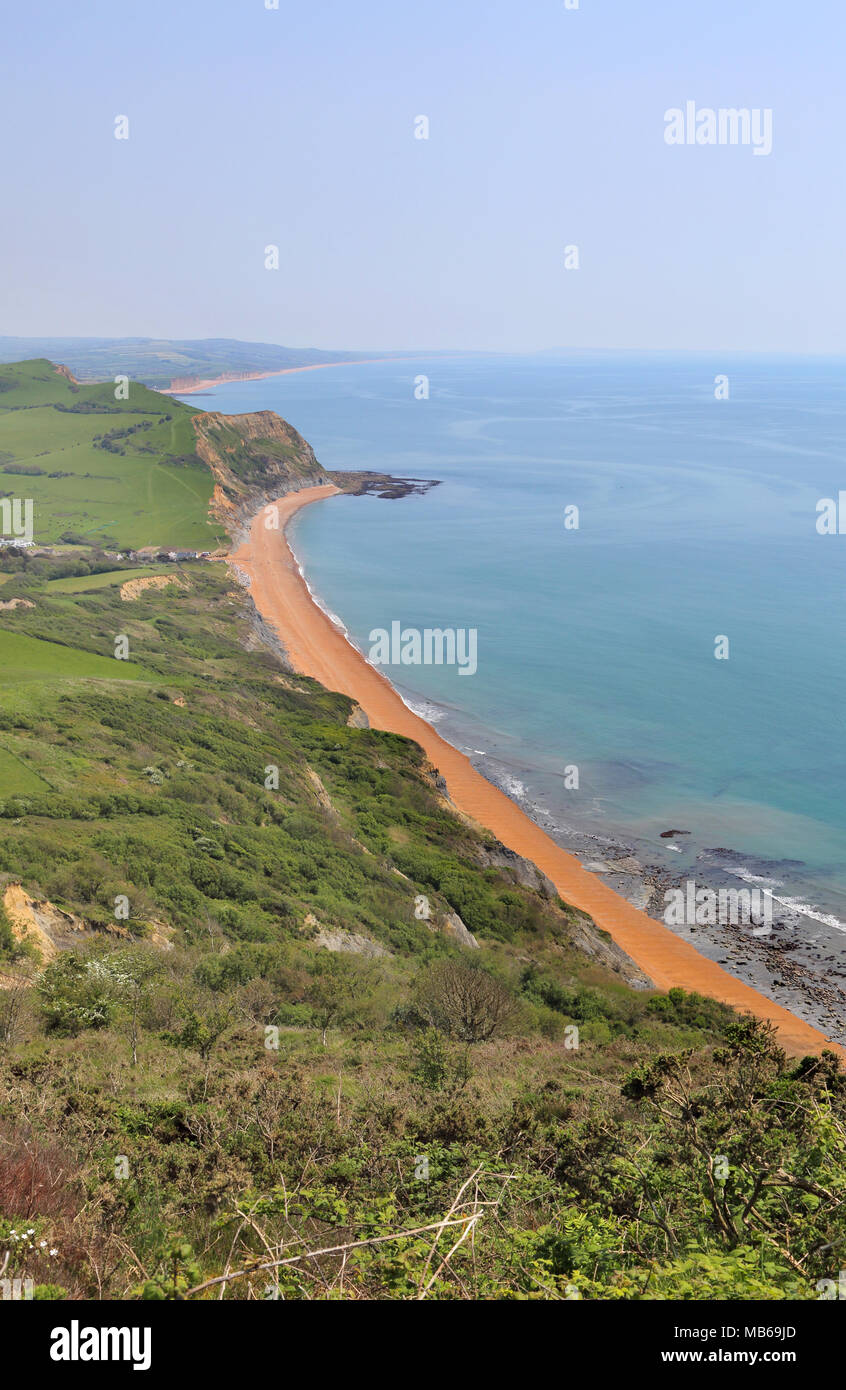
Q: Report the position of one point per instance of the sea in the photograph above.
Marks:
(636, 541)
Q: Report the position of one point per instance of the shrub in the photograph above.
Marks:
(464, 1001)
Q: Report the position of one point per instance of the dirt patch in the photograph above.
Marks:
(41, 924)
(134, 588)
(348, 942)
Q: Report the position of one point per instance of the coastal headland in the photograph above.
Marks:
(316, 647)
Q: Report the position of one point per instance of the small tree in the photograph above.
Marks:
(205, 1022)
(464, 1001)
(336, 987)
(437, 1065)
(76, 993)
(133, 971)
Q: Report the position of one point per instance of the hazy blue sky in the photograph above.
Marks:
(295, 126)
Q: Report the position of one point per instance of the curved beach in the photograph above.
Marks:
(317, 648)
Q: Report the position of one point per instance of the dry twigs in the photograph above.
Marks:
(464, 1215)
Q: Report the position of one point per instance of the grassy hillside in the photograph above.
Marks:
(263, 993)
(119, 474)
(28, 659)
(84, 583)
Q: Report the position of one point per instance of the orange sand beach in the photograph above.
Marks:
(317, 648)
(259, 376)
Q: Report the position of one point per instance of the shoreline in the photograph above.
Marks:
(801, 964)
(316, 647)
(228, 378)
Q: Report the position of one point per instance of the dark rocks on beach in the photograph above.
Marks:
(754, 862)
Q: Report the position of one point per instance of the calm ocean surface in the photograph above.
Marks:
(596, 645)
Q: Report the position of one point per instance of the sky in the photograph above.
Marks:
(294, 127)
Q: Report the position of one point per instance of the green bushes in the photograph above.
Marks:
(599, 1189)
(486, 906)
(240, 1068)
(692, 1010)
(248, 962)
(75, 994)
(581, 1005)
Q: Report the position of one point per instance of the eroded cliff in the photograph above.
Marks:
(254, 458)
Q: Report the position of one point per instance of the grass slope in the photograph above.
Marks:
(24, 658)
(83, 584)
(122, 474)
(16, 778)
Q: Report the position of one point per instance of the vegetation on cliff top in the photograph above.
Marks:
(112, 473)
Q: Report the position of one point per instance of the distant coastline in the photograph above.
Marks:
(318, 648)
(227, 377)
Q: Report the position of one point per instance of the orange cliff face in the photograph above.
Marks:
(252, 458)
(317, 648)
(182, 385)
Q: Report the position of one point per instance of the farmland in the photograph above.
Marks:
(119, 474)
(84, 584)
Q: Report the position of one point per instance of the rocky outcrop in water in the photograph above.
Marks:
(365, 484)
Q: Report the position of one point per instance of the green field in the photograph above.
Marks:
(24, 658)
(16, 778)
(85, 584)
(116, 474)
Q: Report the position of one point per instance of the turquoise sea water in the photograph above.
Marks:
(596, 645)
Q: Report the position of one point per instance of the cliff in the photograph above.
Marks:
(254, 458)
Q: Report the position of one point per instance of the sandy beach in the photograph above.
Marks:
(317, 648)
(260, 376)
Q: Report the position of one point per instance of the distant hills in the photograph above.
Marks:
(159, 361)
